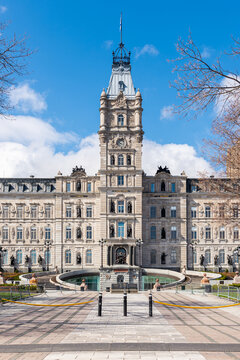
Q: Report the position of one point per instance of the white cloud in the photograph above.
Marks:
(28, 146)
(228, 99)
(3, 9)
(25, 99)
(108, 44)
(206, 53)
(167, 112)
(146, 49)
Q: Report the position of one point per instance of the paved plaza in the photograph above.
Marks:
(76, 332)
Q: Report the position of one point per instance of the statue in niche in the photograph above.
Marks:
(163, 212)
(12, 260)
(79, 233)
(163, 186)
(79, 259)
(41, 233)
(163, 258)
(40, 260)
(202, 260)
(112, 206)
(27, 233)
(79, 212)
(129, 207)
(163, 234)
(128, 159)
(111, 231)
(229, 260)
(129, 231)
(79, 186)
(216, 260)
(13, 232)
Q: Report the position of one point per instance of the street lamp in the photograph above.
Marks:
(47, 245)
(2, 251)
(237, 251)
(139, 243)
(101, 242)
(193, 243)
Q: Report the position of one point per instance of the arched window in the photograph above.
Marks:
(163, 234)
(47, 257)
(207, 257)
(163, 212)
(222, 256)
(121, 256)
(89, 257)
(5, 257)
(153, 256)
(173, 257)
(89, 232)
(33, 257)
(153, 232)
(68, 257)
(112, 160)
(19, 256)
(129, 160)
(120, 160)
(163, 186)
(120, 120)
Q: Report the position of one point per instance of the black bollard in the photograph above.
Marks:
(100, 304)
(150, 304)
(125, 304)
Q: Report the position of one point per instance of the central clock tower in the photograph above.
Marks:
(120, 137)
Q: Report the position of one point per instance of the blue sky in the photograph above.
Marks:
(74, 42)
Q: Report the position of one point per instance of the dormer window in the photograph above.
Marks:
(6, 188)
(20, 187)
(48, 188)
(121, 85)
(35, 188)
(120, 120)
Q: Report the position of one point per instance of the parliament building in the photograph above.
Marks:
(121, 216)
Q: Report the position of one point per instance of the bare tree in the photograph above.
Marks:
(13, 54)
(201, 85)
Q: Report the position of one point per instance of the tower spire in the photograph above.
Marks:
(121, 27)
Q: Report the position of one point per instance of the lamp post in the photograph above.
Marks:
(47, 245)
(193, 243)
(101, 242)
(2, 251)
(139, 243)
(237, 251)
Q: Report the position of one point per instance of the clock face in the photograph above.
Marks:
(120, 142)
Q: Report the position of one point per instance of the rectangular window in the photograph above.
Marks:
(121, 207)
(221, 211)
(173, 233)
(68, 211)
(120, 180)
(19, 212)
(89, 232)
(47, 233)
(34, 188)
(194, 188)
(48, 188)
(193, 212)
(235, 233)
(121, 229)
(153, 232)
(33, 212)
(6, 188)
(5, 212)
(20, 187)
(68, 233)
(153, 212)
(235, 211)
(207, 211)
(33, 233)
(89, 211)
(173, 187)
(89, 187)
(208, 233)
(5, 233)
(19, 233)
(89, 256)
(68, 187)
(5, 257)
(207, 257)
(222, 257)
(173, 257)
(222, 233)
(47, 211)
(194, 233)
(152, 187)
(173, 211)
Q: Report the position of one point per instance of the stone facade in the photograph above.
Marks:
(120, 218)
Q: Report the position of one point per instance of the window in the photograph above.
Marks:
(173, 257)
(222, 233)
(89, 257)
(5, 257)
(121, 206)
(120, 180)
(221, 257)
(153, 211)
(194, 233)
(163, 212)
(5, 212)
(173, 187)
(173, 211)
(68, 233)
(112, 160)
(153, 231)
(207, 211)
(35, 188)
(68, 186)
(163, 234)
(19, 233)
(193, 212)
(33, 212)
(33, 233)
(20, 187)
(129, 160)
(33, 257)
(173, 233)
(163, 187)
(221, 211)
(235, 257)
(5, 233)
(68, 257)
(236, 233)
(235, 211)
(68, 211)
(120, 120)
(47, 211)
(152, 187)
(47, 233)
(194, 188)
(89, 211)
(194, 256)
(208, 233)
(153, 256)
(19, 212)
(207, 257)
(47, 257)
(19, 256)
(121, 229)
(6, 188)
(89, 232)
(48, 188)
(89, 187)
(120, 160)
